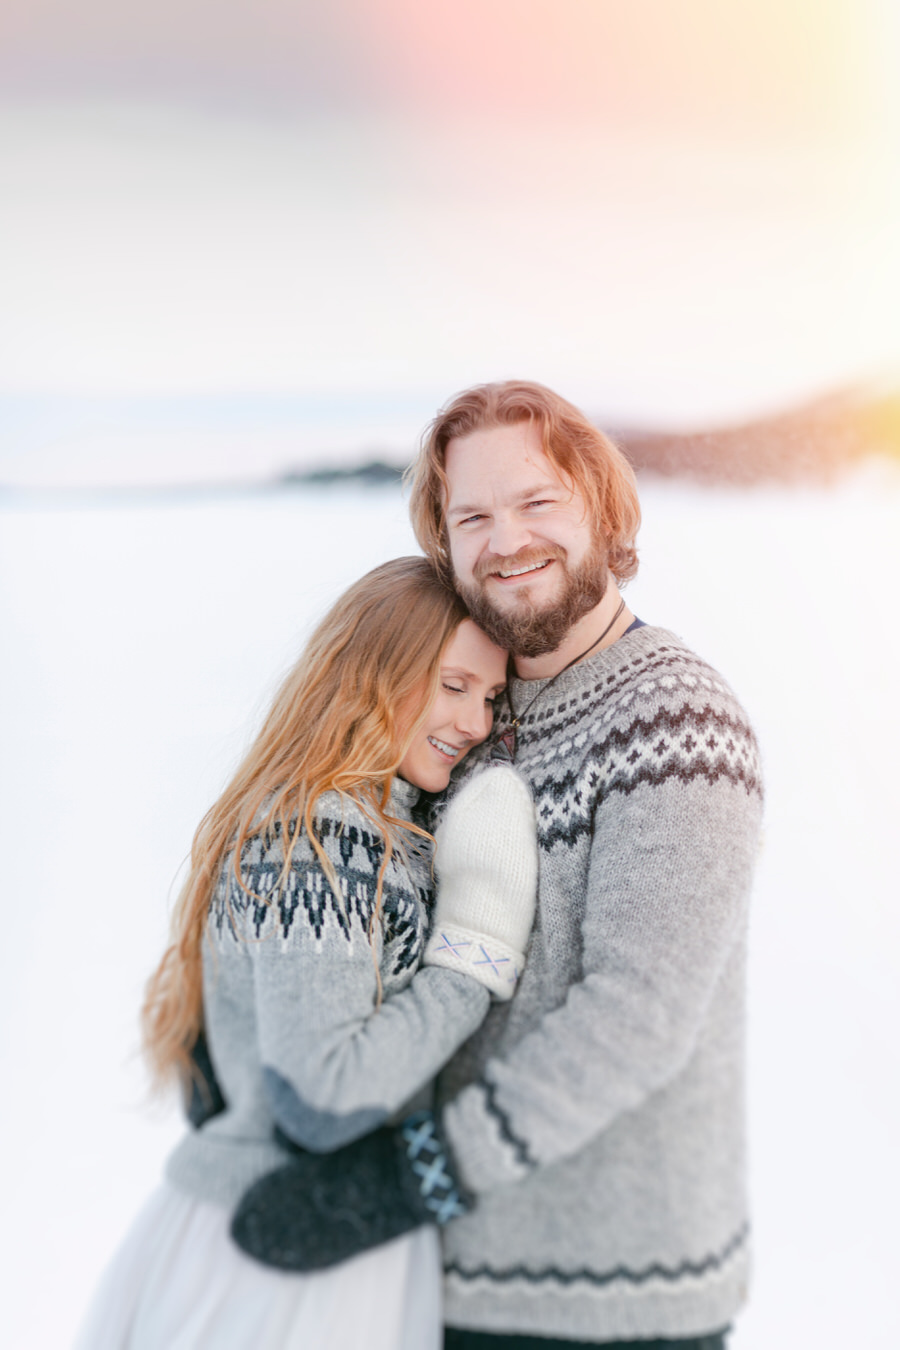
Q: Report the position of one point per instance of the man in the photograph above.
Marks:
(596, 1121)
(598, 1118)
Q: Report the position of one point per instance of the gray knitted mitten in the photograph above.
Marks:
(322, 1208)
(486, 864)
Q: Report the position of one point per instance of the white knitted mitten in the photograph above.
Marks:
(486, 865)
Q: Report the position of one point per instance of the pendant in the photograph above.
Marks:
(503, 751)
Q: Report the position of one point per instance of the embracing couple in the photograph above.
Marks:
(487, 1018)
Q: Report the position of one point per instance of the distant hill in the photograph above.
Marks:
(812, 442)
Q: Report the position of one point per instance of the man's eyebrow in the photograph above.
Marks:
(539, 490)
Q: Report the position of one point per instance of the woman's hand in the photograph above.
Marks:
(486, 865)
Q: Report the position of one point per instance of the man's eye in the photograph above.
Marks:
(470, 520)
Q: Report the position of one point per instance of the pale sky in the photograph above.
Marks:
(771, 67)
(673, 213)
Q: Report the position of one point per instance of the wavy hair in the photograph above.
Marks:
(578, 450)
(341, 721)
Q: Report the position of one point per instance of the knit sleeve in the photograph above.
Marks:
(671, 840)
(334, 1064)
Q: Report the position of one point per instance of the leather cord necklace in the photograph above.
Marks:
(503, 751)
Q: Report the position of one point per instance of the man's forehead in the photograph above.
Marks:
(518, 439)
(510, 466)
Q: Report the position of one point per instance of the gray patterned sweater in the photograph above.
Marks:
(289, 1001)
(599, 1116)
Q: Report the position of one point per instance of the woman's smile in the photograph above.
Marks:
(450, 751)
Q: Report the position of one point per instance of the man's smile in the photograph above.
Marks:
(523, 571)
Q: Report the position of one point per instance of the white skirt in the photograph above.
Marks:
(178, 1282)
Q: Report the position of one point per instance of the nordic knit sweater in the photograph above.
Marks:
(599, 1116)
(289, 994)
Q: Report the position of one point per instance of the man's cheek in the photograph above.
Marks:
(461, 563)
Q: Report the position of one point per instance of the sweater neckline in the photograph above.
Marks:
(633, 643)
(403, 796)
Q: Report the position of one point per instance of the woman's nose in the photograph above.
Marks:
(474, 721)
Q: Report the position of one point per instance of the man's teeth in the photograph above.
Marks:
(520, 571)
(442, 745)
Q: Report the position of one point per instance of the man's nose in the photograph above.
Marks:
(509, 534)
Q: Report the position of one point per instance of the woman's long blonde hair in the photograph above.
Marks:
(342, 720)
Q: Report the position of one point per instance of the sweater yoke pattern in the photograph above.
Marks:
(666, 716)
(273, 903)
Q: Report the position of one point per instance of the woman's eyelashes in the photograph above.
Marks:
(490, 699)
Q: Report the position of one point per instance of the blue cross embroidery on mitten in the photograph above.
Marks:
(429, 1162)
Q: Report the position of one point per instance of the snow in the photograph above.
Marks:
(142, 642)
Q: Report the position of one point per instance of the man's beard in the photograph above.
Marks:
(524, 629)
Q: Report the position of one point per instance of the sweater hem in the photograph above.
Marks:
(610, 1311)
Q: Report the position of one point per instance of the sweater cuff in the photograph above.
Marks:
(485, 1148)
(488, 960)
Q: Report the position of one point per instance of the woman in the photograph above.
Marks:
(296, 952)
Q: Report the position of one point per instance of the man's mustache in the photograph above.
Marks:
(526, 557)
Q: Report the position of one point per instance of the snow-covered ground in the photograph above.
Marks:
(141, 642)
